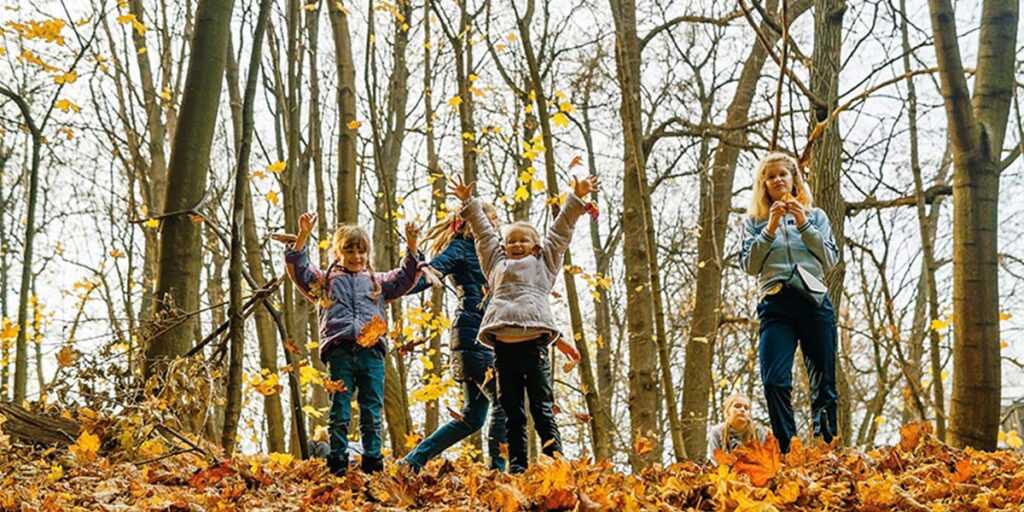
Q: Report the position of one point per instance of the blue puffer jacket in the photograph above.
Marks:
(470, 358)
(343, 298)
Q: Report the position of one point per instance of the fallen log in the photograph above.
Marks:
(38, 428)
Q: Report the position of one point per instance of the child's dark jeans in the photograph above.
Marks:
(524, 369)
(786, 320)
(360, 369)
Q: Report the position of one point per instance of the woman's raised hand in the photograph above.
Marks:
(306, 222)
(586, 186)
(459, 189)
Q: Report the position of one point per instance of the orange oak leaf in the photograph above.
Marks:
(759, 461)
(371, 332)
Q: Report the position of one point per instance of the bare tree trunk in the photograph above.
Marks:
(826, 163)
(157, 175)
(387, 156)
(927, 223)
(605, 385)
(977, 131)
(437, 200)
(236, 327)
(21, 344)
(716, 201)
(643, 362)
(178, 276)
(348, 202)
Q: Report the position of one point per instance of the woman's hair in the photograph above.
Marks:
(350, 236)
(749, 432)
(441, 233)
(760, 202)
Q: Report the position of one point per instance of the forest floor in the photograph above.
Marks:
(919, 473)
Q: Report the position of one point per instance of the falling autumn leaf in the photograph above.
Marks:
(66, 356)
(372, 331)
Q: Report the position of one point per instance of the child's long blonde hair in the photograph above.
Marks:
(760, 202)
(443, 231)
(350, 236)
(749, 433)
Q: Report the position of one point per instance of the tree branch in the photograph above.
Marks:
(931, 194)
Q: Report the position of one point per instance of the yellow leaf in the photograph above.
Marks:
(939, 324)
(152, 449)
(521, 194)
(1003, 344)
(56, 473)
(566, 107)
(272, 197)
(560, 120)
(65, 78)
(1013, 440)
(473, 78)
(455, 101)
(1004, 316)
(141, 51)
(354, 124)
(277, 166)
(85, 447)
(67, 105)
(537, 186)
(166, 94)
(310, 375)
(324, 244)
(879, 420)
(152, 223)
(309, 7)
(511, 37)
(312, 411)
(412, 439)
(282, 460)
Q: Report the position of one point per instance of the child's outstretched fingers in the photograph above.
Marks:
(412, 235)
(461, 190)
(307, 221)
(585, 186)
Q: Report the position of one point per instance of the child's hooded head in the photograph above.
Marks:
(521, 240)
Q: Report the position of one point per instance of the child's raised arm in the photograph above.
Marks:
(557, 240)
(488, 245)
(301, 271)
(399, 281)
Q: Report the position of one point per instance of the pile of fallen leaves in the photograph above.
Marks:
(919, 473)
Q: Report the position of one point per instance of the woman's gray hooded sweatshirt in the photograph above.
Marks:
(811, 246)
(519, 289)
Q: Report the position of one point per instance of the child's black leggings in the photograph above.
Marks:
(524, 369)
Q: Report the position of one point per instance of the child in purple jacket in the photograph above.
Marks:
(350, 295)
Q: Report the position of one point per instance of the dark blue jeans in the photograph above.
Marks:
(524, 370)
(362, 370)
(476, 400)
(788, 319)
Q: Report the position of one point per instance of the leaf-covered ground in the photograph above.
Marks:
(919, 473)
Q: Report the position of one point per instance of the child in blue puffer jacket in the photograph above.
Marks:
(349, 296)
(472, 362)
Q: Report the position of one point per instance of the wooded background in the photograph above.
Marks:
(149, 148)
